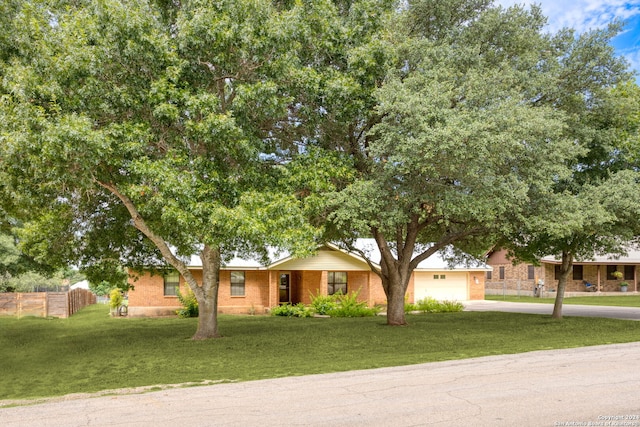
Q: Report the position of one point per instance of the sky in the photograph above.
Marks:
(583, 15)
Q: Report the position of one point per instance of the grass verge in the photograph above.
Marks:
(90, 352)
(621, 301)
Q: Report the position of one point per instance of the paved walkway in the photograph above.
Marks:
(631, 313)
(584, 386)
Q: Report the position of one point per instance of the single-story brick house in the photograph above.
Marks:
(598, 272)
(247, 286)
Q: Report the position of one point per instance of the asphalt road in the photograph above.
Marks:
(596, 386)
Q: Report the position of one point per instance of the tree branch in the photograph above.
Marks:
(141, 225)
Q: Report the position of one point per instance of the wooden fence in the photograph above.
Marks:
(45, 304)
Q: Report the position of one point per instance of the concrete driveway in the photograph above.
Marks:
(629, 313)
(596, 386)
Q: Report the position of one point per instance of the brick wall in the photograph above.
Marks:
(261, 291)
(516, 278)
(148, 299)
(376, 291)
(476, 286)
(256, 293)
(590, 274)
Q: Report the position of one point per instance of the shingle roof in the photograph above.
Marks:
(436, 262)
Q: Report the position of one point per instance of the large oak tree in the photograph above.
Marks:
(454, 146)
(136, 132)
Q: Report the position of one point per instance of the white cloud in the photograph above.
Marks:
(584, 15)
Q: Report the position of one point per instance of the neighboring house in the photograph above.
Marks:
(247, 286)
(505, 276)
(83, 284)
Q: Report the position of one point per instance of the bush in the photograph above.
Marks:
(288, 310)
(189, 305)
(323, 304)
(408, 307)
(432, 305)
(451, 306)
(349, 306)
(115, 298)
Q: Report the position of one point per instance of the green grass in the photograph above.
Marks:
(621, 301)
(90, 352)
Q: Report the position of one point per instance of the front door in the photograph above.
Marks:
(285, 287)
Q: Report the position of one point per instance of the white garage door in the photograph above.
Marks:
(448, 285)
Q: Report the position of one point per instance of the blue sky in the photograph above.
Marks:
(583, 15)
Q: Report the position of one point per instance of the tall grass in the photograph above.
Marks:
(91, 351)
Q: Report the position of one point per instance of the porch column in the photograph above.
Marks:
(324, 284)
(599, 278)
(273, 289)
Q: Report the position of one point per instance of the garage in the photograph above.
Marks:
(441, 285)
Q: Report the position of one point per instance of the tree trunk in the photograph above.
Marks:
(565, 271)
(207, 316)
(395, 291)
(394, 274)
(207, 294)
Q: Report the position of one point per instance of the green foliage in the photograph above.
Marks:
(323, 304)
(32, 282)
(347, 305)
(143, 128)
(290, 310)
(102, 288)
(341, 305)
(189, 304)
(116, 298)
(431, 305)
(107, 273)
(410, 307)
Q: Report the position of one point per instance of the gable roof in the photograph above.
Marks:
(632, 257)
(332, 256)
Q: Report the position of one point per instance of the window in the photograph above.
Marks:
(501, 273)
(610, 270)
(531, 272)
(337, 282)
(489, 275)
(577, 272)
(237, 283)
(436, 276)
(171, 283)
(629, 272)
(442, 276)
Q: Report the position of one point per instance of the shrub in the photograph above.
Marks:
(432, 305)
(115, 298)
(189, 305)
(451, 306)
(349, 306)
(408, 307)
(428, 305)
(323, 304)
(288, 310)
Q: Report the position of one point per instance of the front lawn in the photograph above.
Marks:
(618, 301)
(90, 351)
